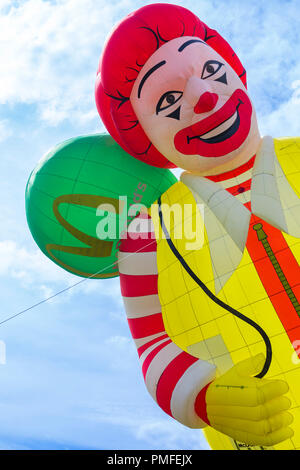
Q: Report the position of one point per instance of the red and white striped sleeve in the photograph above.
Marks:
(173, 377)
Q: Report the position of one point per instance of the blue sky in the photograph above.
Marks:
(72, 378)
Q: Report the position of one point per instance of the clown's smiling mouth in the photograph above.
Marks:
(223, 131)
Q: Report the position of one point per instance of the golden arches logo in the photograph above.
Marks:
(95, 248)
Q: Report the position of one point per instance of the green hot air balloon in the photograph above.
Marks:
(78, 198)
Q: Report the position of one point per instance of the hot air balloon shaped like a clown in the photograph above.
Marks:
(209, 269)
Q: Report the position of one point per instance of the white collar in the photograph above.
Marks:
(227, 220)
(272, 197)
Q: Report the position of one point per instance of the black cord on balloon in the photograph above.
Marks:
(215, 299)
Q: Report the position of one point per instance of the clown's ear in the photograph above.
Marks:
(77, 202)
(122, 124)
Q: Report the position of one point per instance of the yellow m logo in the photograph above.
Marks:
(95, 248)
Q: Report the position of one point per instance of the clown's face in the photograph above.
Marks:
(194, 108)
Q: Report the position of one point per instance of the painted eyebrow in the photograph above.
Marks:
(147, 75)
(187, 43)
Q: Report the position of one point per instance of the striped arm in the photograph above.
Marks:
(173, 377)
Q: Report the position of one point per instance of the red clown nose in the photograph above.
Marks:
(206, 103)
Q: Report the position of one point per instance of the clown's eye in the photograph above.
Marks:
(167, 100)
(211, 67)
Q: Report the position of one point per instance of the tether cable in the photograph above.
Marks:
(70, 287)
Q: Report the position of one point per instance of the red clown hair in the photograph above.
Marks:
(129, 46)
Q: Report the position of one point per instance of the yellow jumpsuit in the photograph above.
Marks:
(243, 274)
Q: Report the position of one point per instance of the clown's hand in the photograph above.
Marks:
(248, 409)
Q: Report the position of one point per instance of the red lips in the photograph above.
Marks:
(188, 141)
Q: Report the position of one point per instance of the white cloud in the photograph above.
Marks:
(149, 425)
(121, 347)
(170, 435)
(284, 120)
(33, 268)
(49, 51)
(27, 265)
(5, 130)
